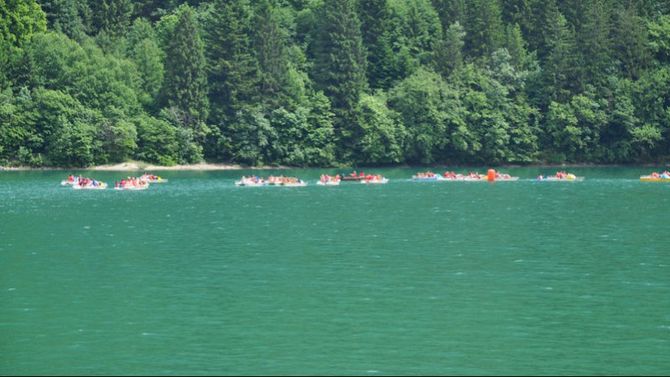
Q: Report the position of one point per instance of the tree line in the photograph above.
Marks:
(324, 83)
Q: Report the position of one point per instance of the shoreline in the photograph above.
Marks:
(204, 166)
(141, 166)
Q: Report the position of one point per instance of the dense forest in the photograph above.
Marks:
(323, 83)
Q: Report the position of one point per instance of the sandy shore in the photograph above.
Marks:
(143, 166)
(125, 166)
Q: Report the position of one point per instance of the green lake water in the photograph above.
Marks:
(198, 276)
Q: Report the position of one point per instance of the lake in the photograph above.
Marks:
(197, 276)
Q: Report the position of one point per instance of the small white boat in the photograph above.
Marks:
(329, 183)
(375, 181)
(132, 188)
(250, 183)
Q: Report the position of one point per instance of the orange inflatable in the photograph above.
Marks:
(491, 175)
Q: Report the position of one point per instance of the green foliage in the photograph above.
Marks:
(563, 64)
(340, 66)
(111, 16)
(449, 50)
(484, 28)
(376, 29)
(185, 85)
(575, 127)
(231, 64)
(252, 136)
(156, 141)
(631, 43)
(320, 83)
(659, 38)
(429, 110)
(382, 135)
(20, 19)
(70, 17)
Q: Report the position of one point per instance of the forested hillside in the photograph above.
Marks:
(321, 82)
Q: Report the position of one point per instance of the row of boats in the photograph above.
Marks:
(142, 182)
(370, 179)
(324, 180)
(127, 184)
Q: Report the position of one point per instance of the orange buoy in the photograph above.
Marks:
(491, 175)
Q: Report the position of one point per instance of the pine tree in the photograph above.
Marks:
(631, 42)
(515, 45)
(484, 28)
(594, 43)
(374, 27)
(340, 66)
(544, 14)
(185, 86)
(422, 29)
(66, 16)
(450, 11)
(449, 52)
(562, 65)
(270, 44)
(231, 64)
(516, 12)
(111, 16)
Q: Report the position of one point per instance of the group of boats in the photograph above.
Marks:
(324, 180)
(127, 184)
(254, 181)
(451, 176)
(371, 179)
(142, 182)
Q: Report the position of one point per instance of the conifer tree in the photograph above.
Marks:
(562, 66)
(594, 42)
(484, 28)
(270, 43)
(231, 64)
(515, 45)
(544, 15)
(449, 52)
(340, 66)
(516, 12)
(450, 11)
(111, 16)
(374, 27)
(631, 42)
(185, 76)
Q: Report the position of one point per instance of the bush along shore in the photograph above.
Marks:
(330, 83)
